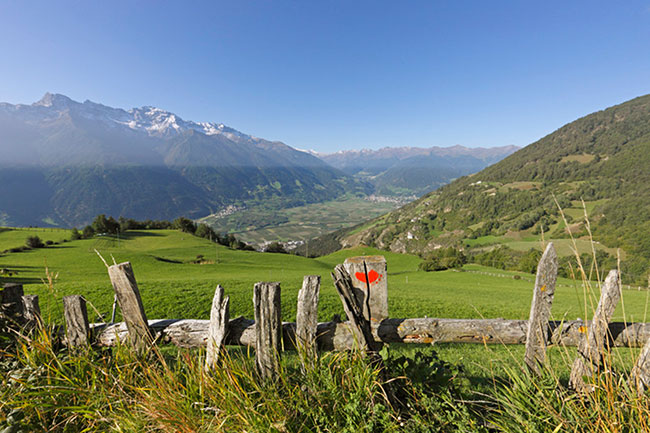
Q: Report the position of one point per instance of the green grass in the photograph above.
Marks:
(564, 247)
(488, 240)
(298, 223)
(12, 237)
(174, 287)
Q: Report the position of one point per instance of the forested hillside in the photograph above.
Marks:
(602, 159)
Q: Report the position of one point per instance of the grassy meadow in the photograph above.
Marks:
(177, 273)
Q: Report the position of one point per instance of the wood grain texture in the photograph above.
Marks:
(307, 318)
(31, 311)
(375, 305)
(640, 375)
(11, 303)
(540, 310)
(128, 297)
(268, 328)
(218, 327)
(77, 330)
(590, 349)
(190, 333)
(359, 325)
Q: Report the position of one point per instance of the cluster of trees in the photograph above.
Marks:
(109, 225)
(506, 258)
(442, 259)
(201, 230)
(275, 247)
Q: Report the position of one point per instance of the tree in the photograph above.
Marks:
(275, 247)
(101, 224)
(205, 231)
(88, 232)
(528, 262)
(442, 259)
(184, 224)
(34, 242)
(75, 235)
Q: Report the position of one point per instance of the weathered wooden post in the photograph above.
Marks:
(359, 323)
(268, 328)
(640, 375)
(540, 310)
(218, 327)
(11, 302)
(307, 319)
(32, 311)
(77, 330)
(369, 273)
(128, 297)
(590, 348)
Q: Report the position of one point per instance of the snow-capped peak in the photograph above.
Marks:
(53, 100)
(151, 120)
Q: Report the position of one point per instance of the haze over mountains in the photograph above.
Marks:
(62, 162)
(414, 170)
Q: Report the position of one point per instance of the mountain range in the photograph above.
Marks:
(414, 171)
(598, 164)
(63, 162)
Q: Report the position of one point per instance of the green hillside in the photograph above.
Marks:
(177, 274)
(602, 158)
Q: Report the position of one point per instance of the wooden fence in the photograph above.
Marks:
(362, 287)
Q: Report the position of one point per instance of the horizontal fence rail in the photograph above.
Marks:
(337, 336)
(361, 283)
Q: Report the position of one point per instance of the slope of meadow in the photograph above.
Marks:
(177, 274)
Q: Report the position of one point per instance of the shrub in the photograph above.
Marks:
(445, 258)
(184, 224)
(528, 262)
(88, 232)
(75, 235)
(34, 242)
(101, 224)
(275, 247)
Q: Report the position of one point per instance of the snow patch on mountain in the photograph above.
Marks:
(153, 121)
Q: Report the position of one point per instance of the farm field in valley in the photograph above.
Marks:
(259, 224)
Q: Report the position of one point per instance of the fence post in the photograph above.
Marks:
(11, 302)
(268, 328)
(128, 296)
(590, 348)
(369, 274)
(540, 310)
(32, 311)
(218, 328)
(307, 319)
(640, 375)
(359, 324)
(75, 313)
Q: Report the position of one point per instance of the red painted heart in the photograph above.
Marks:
(372, 276)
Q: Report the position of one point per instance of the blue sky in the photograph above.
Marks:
(331, 75)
